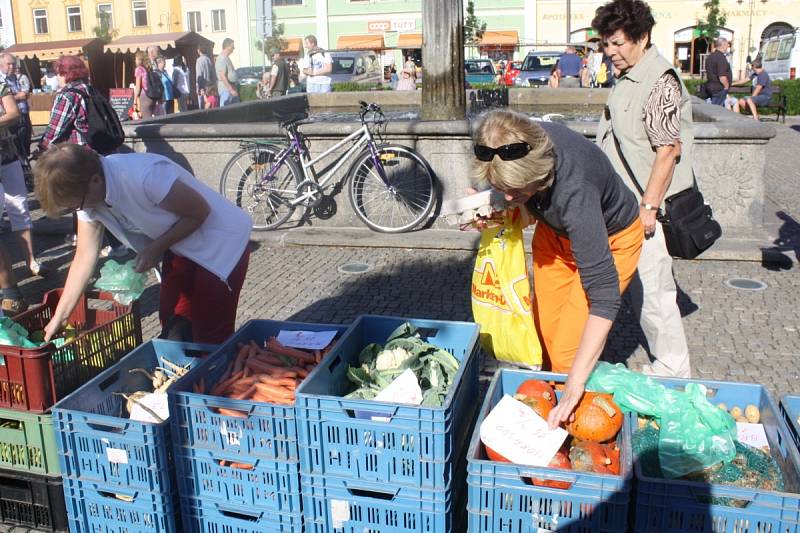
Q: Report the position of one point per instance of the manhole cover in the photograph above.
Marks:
(745, 284)
(355, 268)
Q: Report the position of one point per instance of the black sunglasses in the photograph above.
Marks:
(507, 152)
(71, 210)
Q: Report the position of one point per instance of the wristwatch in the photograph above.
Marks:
(649, 207)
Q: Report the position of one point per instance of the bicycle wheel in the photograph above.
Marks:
(244, 182)
(402, 201)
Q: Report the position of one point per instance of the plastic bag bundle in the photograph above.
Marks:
(695, 434)
(122, 281)
(12, 334)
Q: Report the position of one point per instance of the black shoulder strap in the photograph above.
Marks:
(621, 155)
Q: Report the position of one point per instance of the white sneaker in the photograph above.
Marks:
(114, 253)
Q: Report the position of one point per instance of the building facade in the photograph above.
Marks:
(216, 20)
(516, 26)
(7, 37)
(56, 20)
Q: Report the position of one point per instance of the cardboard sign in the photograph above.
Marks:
(519, 434)
(309, 340)
(121, 100)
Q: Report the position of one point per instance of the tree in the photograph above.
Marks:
(708, 28)
(274, 44)
(103, 30)
(474, 27)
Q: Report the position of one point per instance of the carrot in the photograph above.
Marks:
(223, 386)
(196, 387)
(270, 399)
(263, 368)
(241, 466)
(279, 382)
(274, 391)
(271, 359)
(230, 412)
(223, 462)
(275, 346)
(202, 385)
(246, 393)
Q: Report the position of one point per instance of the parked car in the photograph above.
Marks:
(511, 72)
(249, 75)
(360, 67)
(535, 71)
(780, 56)
(479, 71)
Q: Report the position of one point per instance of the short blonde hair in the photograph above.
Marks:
(61, 176)
(500, 127)
(143, 57)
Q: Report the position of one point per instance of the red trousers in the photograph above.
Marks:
(209, 303)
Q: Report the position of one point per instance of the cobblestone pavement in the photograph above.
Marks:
(749, 336)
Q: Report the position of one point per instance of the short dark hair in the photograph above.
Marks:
(633, 17)
(226, 42)
(756, 63)
(312, 39)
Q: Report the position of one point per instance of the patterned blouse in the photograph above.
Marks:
(7, 149)
(662, 112)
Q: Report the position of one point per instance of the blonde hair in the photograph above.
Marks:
(499, 127)
(143, 58)
(61, 176)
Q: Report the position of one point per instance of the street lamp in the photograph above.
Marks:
(751, 7)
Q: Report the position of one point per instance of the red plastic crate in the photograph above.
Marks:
(35, 379)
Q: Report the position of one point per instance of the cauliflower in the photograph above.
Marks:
(392, 359)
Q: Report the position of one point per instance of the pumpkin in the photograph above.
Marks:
(534, 388)
(494, 456)
(597, 418)
(588, 456)
(561, 460)
(541, 406)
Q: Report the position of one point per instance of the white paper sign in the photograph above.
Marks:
(752, 435)
(117, 456)
(404, 389)
(516, 432)
(340, 513)
(309, 340)
(156, 402)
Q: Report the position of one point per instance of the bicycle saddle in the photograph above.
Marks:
(290, 118)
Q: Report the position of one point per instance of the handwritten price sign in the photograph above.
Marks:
(752, 435)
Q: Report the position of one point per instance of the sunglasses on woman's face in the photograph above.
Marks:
(507, 152)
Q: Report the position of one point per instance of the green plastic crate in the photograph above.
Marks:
(28, 442)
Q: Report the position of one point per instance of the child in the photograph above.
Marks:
(212, 97)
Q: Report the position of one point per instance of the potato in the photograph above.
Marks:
(752, 414)
(736, 411)
(722, 406)
(741, 419)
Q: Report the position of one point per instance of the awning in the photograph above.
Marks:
(48, 51)
(500, 38)
(293, 45)
(410, 41)
(135, 43)
(359, 42)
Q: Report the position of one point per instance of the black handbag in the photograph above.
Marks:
(688, 223)
(702, 92)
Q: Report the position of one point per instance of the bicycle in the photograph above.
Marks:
(392, 188)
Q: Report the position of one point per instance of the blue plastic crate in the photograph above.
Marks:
(265, 430)
(96, 442)
(790, 408)
(96, 507)
(500, 500)
(215, 517)
(332, 504)
(677, 506)
(411, 446)
(263, 484)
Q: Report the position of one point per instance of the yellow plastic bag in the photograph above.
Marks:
(501, 295)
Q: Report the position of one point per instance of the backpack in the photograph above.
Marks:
(155, 90)
(105, 131)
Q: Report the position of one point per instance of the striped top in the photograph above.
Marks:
(662, 112)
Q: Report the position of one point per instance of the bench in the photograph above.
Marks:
(777, 101)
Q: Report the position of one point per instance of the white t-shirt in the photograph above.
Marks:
(317, 61)
(137, 183)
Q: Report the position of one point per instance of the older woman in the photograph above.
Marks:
(586, 244)
(646, 132)
(166, 215)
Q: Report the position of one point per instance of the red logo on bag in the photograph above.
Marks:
(488, 292)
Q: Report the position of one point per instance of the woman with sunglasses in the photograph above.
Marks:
(167, 216)
(587, 240)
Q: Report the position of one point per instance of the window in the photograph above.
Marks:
(785, 51)
(218, 20)
(74, 18)
(276, 3)
(105, 16)
(40, 21)
(772, 51)
(193, 22)
(140, 12)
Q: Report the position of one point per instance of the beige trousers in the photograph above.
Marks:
(655, 301)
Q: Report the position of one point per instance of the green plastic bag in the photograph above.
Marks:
(122, 281)
(695, 434)
(12, 334)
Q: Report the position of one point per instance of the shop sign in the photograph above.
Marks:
(380, 26)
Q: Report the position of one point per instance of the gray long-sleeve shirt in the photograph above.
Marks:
(587, 203)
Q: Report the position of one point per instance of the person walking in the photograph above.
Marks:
(762, 91)
(719, 75)
(21, 90)
(166, 83)
(167, 216)
(144, 104)
(316, 66)
(205, 75)
(279, 76)
(227, 79)
(646, 132)
(569, 69)
(408, 77)
(156, 89)
(587, 240)
(180, 82)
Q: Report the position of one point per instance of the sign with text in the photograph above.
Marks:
(121, 100)
(380, 26)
